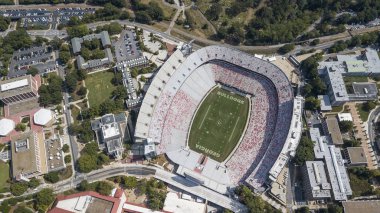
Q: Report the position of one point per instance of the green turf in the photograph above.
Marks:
(219, 124)
(100, 87)
(4, 175)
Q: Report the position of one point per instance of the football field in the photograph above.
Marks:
(219, 124)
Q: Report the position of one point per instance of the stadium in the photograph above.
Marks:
(222, 116)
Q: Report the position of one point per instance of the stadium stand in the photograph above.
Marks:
(180, 86)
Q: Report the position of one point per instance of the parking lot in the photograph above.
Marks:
(45, 18)
(126, 48)
(40, 57)
(54, 155)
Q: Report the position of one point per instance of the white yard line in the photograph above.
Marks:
(204, 116)
(234, 129)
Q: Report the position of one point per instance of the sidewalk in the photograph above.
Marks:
(361, 133)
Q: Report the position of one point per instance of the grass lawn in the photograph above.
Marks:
(362, 113)
(100, 87)
(168, 11)
(4, 176)
(337, 108)
(218, 124)
(75, 114)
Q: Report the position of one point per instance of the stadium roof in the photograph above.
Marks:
(43, 116)
(6, 126)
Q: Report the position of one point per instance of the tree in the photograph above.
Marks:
(143, 17)
(104, 188)
(52, 177)
(119, 92)
(117, 79)
(33, 183)
(286, 48)
(91, 149)
(129, 182)
(44, 198)
(64, 56)
(82, 91)
(17, 39)
(103, 159)
(351, 143)
(68, 159)
(32, 71)
(87, 163)
(4, 23)
(304, 209)
(346, 126)
(51, 94)
(22, 209)
(305, 151)
(312, 103)
(65, 148)
(314, 42)
(18, 188)
(84, 185)
(78, 31)
(369, 105)
(334, 208)
(20, 127)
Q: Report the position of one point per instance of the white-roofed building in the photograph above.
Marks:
(173, 203)
(6, 126)
(43, 117)
(344, 117)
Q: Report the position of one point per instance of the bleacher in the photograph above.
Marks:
(181, 84)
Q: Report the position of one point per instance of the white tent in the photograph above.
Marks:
(43, 116)
(6, 126)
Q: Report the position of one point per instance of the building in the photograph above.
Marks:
(43, 117)
(133, 99)
(315, 181)
(88, 202)
(17, 90)
(355, 156)
(149, 149)
(362, 206)
(184, 204)
(110, 130)
(334, 164)
(95, 63)
(325, 103)
(6, 126)
(344, 117)
(40, 57)
(365, 64)
(333, 130)
(28, 155)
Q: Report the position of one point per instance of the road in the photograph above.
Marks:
(170, 178)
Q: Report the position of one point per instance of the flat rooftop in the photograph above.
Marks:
(27, 156)
(334, 130)
(15, 86)
(318, 179)
(356, 155)
(365, 206)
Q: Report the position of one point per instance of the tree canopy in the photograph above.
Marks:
(305, 151)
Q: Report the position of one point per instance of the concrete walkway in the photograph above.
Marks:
(361, 134)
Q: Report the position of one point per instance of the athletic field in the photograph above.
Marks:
(219, 124)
